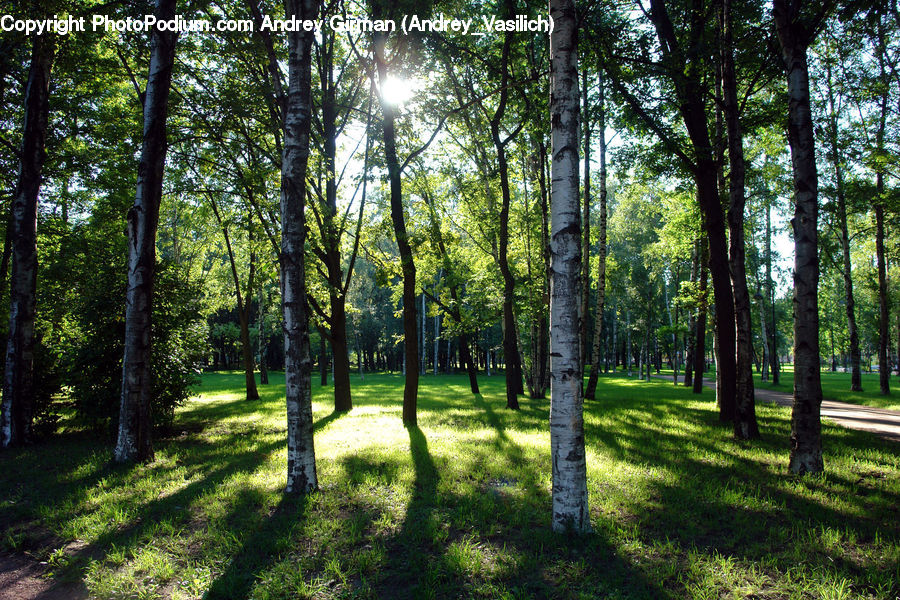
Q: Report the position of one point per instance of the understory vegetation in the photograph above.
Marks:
(458, 506)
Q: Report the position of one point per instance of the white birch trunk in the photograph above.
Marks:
(134, 438)
(301, 467)
(569, 492)
(18, 381)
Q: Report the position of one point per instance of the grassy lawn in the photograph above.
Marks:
(836, 386)
(460, 506)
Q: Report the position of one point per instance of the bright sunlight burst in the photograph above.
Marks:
(397, 91)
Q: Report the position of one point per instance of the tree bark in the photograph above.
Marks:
(301, 467)
(585, 221)
(849, 300)
(692, 321)
(18, 380)
(700, 341)
(263, 341)
(569, 489)
(331, 235)
(693, 111)
(884, 332)
(601, 259)
(770, 294)
(806, 434)
(243, 309)
(410, 334)
(745, 425)
(134, 438)
(513, 369)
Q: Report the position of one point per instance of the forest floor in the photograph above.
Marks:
(458, 506)
(882, 422)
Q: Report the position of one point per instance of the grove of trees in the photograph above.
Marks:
(703, 187)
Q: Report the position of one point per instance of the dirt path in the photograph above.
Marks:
(880, 421)
(23, 578)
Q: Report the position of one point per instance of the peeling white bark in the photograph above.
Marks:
(301, 467)
(133, 442)
(569, 492)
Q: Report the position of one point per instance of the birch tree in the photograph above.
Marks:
(301, 467)
(796, 29)
(569, 491)
(134, 442)
(18, 381)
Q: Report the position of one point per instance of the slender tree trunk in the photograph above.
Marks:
(18, 381)
(341, 353)
(243, 309)
(745, 425)
(770, 293)
(330, 250)
(301, 467)
(700, 341)
(806, 435)
(263, 342)
(569, 489)
(585, 220)
(764, 335)
(601, 259)
(849, 301)
(408, 267)
(7, 252)
(543, 330)
(692, 321)
(134, 442)
(323, 357)
(513, 369)
(884, 332)
(694, 114)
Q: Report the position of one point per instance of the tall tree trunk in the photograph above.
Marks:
(408, 267)
(513, 370)
(763, 333)
(340, 353)
(884, 332)
(542, 358)
(465, 353)
(263, 341)
(849, 301)
(806, 433)
(301, 467)
(323, 357)
(745, 425)
(770, 294)
(692, 321)
(700, 341)
(585, 220)
(569, 490)
(243, 308)
(18, 380)
(601, 259)
(693, 111)
(7, 252)
(134, 442)
(331, 239)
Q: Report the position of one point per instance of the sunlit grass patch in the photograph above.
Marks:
(460, 506)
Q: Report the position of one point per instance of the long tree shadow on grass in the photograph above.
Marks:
(206, 465)
(446, 544)
(266, 545)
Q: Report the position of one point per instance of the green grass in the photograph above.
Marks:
(460, 506)
(836, 386)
